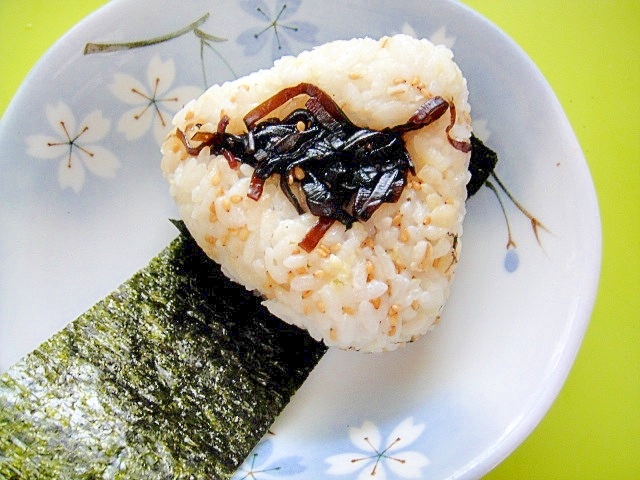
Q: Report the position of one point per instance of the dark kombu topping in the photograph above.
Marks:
(344, 171)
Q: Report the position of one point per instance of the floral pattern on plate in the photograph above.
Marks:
(75, 145)
(278, 26)
(260, 465)
(153, 104)
(105, 117)
(376, 457)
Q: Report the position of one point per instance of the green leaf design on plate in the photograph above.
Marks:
(93, 47)
(205, 39)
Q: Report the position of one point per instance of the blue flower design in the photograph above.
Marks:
(377, 457)
(511, 260)
(277, 27)
(258, 465)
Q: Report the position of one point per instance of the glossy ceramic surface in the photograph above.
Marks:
(84, 205)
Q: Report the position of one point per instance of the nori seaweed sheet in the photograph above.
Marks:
(176, 374)
(481, 165)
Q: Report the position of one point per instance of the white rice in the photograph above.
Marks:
(381, 283)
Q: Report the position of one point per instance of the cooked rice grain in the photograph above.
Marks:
(381, 283)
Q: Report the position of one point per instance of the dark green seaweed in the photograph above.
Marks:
(483, 162)
(176, 374)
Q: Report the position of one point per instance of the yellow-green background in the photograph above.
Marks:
(589, 51)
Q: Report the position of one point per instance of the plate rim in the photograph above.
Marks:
(523, 428)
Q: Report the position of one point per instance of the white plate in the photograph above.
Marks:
(451, 405)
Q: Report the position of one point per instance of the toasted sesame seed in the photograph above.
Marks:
(355, 75)
(210, 239)
(368, 242)
(426, 93)
(441, 263)
(393, 320)
(243, 234)
(369, 267)
(333, 334)
(404, 235)
(399, 266)
(236, 198)
(298, 173)
(376, 302)
(226, 204)
(320, 306)
(270, 281)
(348, 310)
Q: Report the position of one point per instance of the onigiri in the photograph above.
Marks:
(371, 284)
